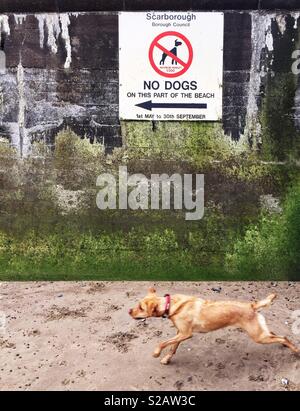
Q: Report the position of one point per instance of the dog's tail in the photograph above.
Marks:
(264, 303)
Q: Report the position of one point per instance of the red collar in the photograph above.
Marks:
(167, 305)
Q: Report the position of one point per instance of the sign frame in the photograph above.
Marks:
(171, 66)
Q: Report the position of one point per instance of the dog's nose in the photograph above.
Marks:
(130, 311)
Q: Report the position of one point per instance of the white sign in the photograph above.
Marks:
(171, 66)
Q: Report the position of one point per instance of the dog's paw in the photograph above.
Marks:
(156, 354)
(165, 361)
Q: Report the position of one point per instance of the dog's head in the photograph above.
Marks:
(147, 307)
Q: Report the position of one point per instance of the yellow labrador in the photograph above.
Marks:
(192, 314)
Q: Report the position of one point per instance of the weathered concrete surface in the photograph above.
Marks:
(116, 5)
(280, 4)
(30, 6)
(62, 69)
(69, 67)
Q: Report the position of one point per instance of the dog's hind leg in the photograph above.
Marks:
(272, 339)
(259, 332)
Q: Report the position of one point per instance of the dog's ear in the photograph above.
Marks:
(152, 290)
(151, 307)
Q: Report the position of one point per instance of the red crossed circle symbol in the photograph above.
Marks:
(185, 65)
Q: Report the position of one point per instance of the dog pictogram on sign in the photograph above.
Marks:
(171, 54)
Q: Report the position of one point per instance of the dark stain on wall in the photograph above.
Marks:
(35, 6)
(237, 65)
(32, 6)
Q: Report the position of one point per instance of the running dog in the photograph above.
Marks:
(192, 314)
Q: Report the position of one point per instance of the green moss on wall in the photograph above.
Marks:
(281, 140)
(195, 142)
(50, 226)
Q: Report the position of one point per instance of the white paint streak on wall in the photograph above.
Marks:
(4, 26)
(13, 129)
(51, 21)
(19, 18)
(21, 90)
(269, 39)
(65, 22)
(261, 40)
(41, 21)
(24, 145)
(281, 22)
(56, 25)
(296, 16)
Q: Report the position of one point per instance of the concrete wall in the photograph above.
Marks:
(62, 67)
(128, 5)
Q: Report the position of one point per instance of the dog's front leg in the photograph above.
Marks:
(173, 341)
(170, 354)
